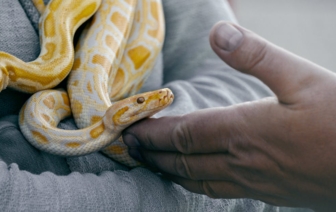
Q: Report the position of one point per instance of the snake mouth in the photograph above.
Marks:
(155, 104)
(159, 101)
(143, 106)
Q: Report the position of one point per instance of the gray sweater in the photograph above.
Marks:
(31, 180)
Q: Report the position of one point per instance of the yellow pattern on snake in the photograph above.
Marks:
(41, 114)
(58, 24)
(115, 54)
(40, 6)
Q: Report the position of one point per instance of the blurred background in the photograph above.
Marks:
(305, 27)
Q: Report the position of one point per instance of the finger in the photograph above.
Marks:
(285, 73)
(212, 130)
(194, 167)
(229, 190)
(213, 189)
(204, 131)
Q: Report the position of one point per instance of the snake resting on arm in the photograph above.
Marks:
(51, 106)
(58, 24)
(114, 56)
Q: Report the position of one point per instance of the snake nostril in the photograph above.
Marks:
(140, 100)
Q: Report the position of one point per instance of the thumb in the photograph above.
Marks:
(285, 73)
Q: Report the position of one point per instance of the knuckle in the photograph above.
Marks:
(181, 137)
(148, 142)
(254, 54)
(206, 188)
(183, 168)
(258, 56)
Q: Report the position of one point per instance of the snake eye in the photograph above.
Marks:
(140, 100)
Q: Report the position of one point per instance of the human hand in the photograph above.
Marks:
(280, 150)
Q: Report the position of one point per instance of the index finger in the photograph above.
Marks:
(202, 131)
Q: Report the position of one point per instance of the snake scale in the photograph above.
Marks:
(113, 57)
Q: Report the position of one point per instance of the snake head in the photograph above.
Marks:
(127, 111)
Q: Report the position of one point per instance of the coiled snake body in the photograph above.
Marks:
(51, 106)
(57, 53)
(113, 57)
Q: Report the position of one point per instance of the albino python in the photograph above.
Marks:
(51, 106)
(57, 28)
(114, 55)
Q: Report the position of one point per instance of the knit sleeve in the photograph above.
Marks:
(136, 190)
(31, 180)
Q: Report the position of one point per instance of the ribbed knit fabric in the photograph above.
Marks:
(32, 13)
(31, 180)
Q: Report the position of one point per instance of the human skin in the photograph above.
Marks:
(280, 150)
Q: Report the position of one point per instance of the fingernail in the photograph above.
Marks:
(227, 37)
(131, 141)
(135, 154)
